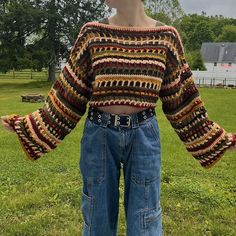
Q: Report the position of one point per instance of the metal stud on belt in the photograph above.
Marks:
(141, 116)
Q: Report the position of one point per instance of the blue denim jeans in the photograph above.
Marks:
(104, 148)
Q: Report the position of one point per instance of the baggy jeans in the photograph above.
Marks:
(103, 149)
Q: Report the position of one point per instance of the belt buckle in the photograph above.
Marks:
(128, 122)
(116, 120)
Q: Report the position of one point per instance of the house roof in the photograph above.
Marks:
(219, 52)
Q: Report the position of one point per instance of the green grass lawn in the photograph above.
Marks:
(43, 197)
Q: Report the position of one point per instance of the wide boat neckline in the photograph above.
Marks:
(105, 23)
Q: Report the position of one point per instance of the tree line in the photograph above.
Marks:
(37, 34)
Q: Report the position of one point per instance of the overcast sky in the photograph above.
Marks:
(226, 8)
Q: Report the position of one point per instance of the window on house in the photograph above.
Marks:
(215, 63)
(230, 64)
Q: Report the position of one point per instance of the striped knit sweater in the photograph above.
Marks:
(133, 66)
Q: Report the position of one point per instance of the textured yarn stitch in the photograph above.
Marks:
(121, 65)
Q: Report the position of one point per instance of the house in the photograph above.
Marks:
(219, 57)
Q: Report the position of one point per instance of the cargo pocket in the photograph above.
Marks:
(87, 209)
(152, 221)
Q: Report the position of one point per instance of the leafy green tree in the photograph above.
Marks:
(228, 34)
(55, 23)
(197, 61)
(164, 10)
(200, 33)
(215, 24)
(16, 24)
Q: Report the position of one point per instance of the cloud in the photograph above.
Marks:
(211, 7)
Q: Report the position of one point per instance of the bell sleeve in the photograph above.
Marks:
(42, 130)
(183, 106)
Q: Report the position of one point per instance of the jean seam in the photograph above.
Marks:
(89, 201)
(101, 178)
(104, 157)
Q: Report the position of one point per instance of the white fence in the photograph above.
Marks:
(212, 79)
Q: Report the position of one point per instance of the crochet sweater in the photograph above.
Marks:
(122, 65)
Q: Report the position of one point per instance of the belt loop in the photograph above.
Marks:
(134, 120)
(104, 119)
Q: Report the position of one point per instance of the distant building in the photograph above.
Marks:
(219, 57)
(61, 64)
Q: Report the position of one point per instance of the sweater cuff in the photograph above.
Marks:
(230, 141)
(15, 121)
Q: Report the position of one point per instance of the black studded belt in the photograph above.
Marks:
(96, 115)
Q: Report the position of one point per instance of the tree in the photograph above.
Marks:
(166, 10)
(228, 34)
(16, 24)
(197, 62)
(200, 33)
(56, 23)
